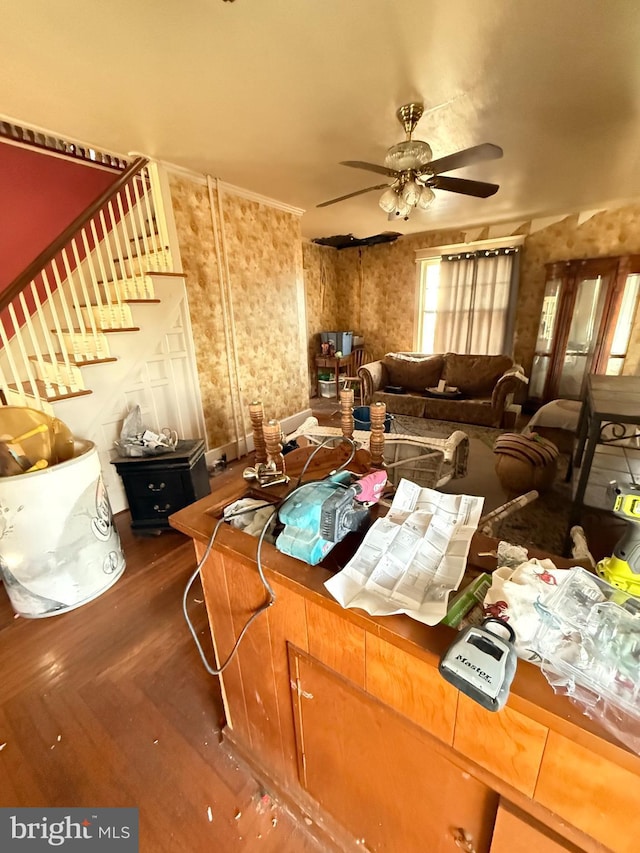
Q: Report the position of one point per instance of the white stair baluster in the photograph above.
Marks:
(44, 328)
(19, 339)
(56, 322)
(77, 303)
(35, 346)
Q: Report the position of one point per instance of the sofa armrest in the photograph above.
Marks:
(374, 378)
(457, 452)
(509, 383)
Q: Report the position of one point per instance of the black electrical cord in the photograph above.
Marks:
(271, 594)
(350, 441)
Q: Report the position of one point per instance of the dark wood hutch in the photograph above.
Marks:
(585, 324)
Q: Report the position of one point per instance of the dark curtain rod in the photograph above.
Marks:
(482, 253)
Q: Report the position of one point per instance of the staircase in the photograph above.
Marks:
(80, 325)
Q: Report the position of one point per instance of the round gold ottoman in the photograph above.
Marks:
(525, 462)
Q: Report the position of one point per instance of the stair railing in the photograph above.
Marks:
(52, 315)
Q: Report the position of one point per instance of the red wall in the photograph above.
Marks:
(39, 196)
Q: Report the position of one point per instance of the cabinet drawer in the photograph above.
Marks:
(156, 507)
(337, 643)
(164, 484)
(505, 742)
(516, 832)
(591, 792)
(411, 687)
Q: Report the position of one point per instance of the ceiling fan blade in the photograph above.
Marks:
(479, 189)
(351, 195)
(466, 157)
(370, 167)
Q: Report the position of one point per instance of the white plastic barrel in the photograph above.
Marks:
(59, 548)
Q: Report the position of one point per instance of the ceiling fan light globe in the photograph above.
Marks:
(412, 154)
(425, 199)
(388, 200)
(402, 208)
(411, 193)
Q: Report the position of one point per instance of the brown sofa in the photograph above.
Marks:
(486, 385)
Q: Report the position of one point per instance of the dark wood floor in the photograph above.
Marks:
(109, 705)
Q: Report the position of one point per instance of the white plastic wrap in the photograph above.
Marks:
(589, 641)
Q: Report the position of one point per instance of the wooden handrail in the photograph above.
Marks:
(39, 263)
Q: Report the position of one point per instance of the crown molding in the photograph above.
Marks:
(230, 189)
(260, 199)
(173, 168)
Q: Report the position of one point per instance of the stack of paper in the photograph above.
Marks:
(413, 558)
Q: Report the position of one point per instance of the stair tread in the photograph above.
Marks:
(126, 301)
(149, 236)
(74, 360)
(100, 329)
(124, 280)
(131, 278)
(153, 250)
(28, 390)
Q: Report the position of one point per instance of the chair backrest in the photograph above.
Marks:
(358, 358)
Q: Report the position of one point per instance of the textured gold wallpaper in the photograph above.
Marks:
(268, 328)
(375, 286)
(323, 298)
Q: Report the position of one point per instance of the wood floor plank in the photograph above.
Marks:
(120, 681)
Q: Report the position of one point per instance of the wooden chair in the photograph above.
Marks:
(358, 358)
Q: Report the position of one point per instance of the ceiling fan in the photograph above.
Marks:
(415, 175)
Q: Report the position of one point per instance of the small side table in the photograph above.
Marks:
(332, 363)
(158, 486)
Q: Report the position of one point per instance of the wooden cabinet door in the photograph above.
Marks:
(377, 774)
(515, 832)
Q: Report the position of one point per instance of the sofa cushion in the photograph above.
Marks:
(401, 404)
(413, 373)
(474, 375)
(463, 411)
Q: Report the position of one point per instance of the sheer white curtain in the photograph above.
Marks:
(476, 302)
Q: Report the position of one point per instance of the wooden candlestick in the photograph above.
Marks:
(272, 437)
(256, 413)
(378, 414)
(346, 412)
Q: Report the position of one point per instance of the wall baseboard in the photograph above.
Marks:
(230, 449)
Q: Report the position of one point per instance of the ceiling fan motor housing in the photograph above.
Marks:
(409, 115)
(412, 154)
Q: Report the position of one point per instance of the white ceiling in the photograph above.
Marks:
(270, 95)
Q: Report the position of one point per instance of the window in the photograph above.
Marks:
(467, 299)
(429, 279)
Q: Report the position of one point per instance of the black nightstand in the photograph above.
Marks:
(157, 486)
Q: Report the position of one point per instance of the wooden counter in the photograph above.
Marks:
(346, 717)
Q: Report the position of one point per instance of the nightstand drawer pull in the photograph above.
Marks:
(155, 488)
(164, 508)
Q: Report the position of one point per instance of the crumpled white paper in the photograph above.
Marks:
(240, 515)
(413, 558)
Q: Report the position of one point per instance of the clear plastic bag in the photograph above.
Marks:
(137, 440)
(589, 641)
